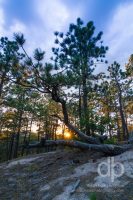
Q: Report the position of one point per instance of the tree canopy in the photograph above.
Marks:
(64, 94)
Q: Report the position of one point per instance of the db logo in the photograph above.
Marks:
(110, 169)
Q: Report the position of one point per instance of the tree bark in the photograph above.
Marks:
(110, 150)
(124, 124)
(18, 135)
(85, 103)
(2, 83)
(84, 137)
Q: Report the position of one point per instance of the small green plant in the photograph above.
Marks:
(112, 140)
(92, 196)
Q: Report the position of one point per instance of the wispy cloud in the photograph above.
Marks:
(49, 16)
(119, 34)
(53, 16)
(2, 21)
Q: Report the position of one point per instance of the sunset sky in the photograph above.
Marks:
(38, 19)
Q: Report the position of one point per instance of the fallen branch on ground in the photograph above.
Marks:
(75, 186)
(107, 149)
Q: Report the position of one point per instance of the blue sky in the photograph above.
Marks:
(38, 19)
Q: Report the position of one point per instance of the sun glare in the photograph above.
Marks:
(67, 135)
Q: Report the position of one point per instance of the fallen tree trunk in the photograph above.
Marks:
(107, 149)
(130, 141)
(86, 138)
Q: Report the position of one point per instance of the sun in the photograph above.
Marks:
(67, 135)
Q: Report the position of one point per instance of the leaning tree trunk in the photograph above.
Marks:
(90, 143)
(80, 134)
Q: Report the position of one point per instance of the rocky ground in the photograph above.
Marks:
(68, 175)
